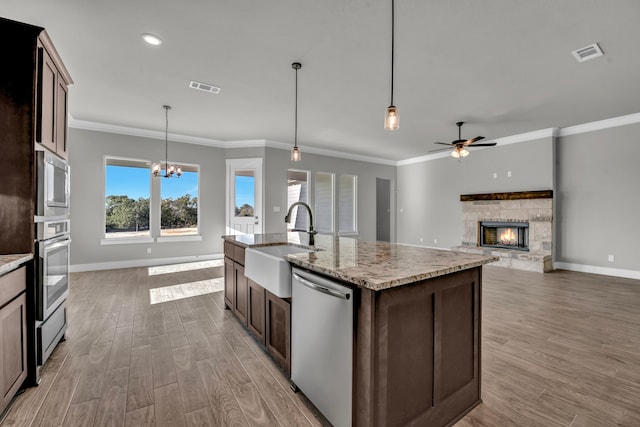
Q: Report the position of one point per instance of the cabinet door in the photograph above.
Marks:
(47, 88)
(13, 349)
(255, 313)
(61, 118)
(240, 303)
(278, 330)
(229, 286)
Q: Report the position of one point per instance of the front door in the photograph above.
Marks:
(244, 196)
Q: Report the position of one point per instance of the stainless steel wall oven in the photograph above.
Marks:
(52, 285)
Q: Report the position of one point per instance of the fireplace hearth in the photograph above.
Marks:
(519, 228)
(505, 235)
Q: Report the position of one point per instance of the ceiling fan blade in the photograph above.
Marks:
(439, 149)
(442, 143)
(486, 144)
(471, 141)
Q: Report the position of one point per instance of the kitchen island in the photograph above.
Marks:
(417, 318)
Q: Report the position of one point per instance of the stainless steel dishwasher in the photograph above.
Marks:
(322, 343)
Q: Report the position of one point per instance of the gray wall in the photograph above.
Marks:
(88, 149)
(429, 192)
(598, 198)
(87, 182)
(277, 162)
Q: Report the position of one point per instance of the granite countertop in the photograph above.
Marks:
(371, 265)
(10, 262)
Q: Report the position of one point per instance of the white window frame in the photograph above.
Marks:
(354, 230)
(125, 240)
(188, 238)
(332, 198)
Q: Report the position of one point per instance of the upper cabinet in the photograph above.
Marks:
(52, 97)
(33, 115)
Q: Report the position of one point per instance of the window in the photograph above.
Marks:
(179, 203)
(245, 195)
(324, 202)
(347, 203)
(127, 195)
(298, 191)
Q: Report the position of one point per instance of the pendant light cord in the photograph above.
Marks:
(166, 140)
(295, 126)
(393, 32)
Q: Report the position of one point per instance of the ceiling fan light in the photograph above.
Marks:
(296, 156)
(464, 153)
(392, 119)
(455, 154)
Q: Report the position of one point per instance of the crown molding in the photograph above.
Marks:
(513, 139)
(143, 133)
(252, 143)
(332, 153)
(629, 119)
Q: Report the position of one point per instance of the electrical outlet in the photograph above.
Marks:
(276, 208)
(421, 239)
(509, 174)
(495, 175)
(435, 240)
(148, 250)
(612, 258)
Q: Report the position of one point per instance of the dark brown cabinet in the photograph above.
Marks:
(278, 330)
(53, 80)
(13, 332)
(256, 309)
(240, 301)
(267, 317)
(33, 111)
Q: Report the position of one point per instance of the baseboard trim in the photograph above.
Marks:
(607, 271)
(112, 265)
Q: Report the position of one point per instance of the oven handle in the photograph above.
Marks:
(56, 243)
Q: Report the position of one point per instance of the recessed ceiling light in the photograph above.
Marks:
(152, 39)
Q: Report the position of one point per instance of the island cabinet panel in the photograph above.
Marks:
(255, 313)
(278, 330)
(241, 296)
(417, 351)
(229, 286)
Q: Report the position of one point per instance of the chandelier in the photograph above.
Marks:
(169, 170)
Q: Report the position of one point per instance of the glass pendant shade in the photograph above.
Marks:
(296, 156)
(155, 169)
(392, 119)
(455, 154)
(464, 153)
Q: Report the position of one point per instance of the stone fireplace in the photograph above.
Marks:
(517, 227)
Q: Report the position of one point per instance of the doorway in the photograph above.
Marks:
(383, 210)
(244, 196)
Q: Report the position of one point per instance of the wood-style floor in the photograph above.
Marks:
(559, 349)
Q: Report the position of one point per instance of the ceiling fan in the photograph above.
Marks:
(460, 145)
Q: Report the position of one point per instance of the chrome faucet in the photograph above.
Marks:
(311, 231)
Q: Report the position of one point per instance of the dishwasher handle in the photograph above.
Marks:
(321, 288)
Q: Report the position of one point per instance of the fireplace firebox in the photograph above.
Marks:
(504, 235)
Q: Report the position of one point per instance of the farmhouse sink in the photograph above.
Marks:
(266, 266)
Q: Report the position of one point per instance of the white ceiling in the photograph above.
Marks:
(503, 66)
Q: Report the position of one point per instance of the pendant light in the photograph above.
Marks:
(169, 170)
(295, 153)
(392, 119)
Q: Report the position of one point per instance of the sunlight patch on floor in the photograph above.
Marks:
(185, 290)
(187, 266)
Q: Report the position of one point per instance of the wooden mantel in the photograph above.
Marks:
(518, 195)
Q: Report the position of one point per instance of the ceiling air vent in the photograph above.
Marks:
(204, 87)
(587, 53)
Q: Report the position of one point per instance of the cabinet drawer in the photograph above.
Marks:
(238, 254)
(11, 284)
(50, 333)
(228, 249)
